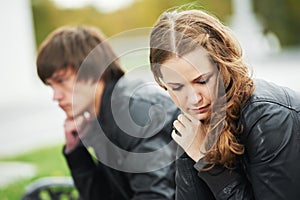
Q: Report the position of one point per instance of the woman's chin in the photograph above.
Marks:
(200, 116)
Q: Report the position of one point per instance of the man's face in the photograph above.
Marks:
(74, 98)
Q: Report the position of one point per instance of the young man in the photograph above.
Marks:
(108, 112)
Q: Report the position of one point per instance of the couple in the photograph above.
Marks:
(238, 138)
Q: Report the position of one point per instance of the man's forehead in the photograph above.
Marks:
(61, 73)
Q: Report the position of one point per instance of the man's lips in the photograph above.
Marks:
(64, 106)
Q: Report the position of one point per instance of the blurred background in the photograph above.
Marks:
(31, 124)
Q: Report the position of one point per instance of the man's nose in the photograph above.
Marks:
(57, 95)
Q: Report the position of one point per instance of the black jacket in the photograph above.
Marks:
(270, 167)
(134, 124)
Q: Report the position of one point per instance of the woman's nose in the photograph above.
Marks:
(194, 96)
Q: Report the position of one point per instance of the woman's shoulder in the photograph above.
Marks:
(268, 92)
(269, 118)
(268, 97)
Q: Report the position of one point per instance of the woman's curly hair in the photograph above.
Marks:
(179, 33)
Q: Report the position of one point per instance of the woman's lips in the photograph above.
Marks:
(200, 110)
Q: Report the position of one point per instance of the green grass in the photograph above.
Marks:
(48, 162)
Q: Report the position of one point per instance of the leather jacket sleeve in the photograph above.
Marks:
(92, 182)
(158, 184)
(88, 178)
(272, 157)
(188, 185)
(224, 183)
(154, 184)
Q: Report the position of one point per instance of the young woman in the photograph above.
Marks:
(241, 136)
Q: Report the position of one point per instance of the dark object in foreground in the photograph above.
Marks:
(51, 188)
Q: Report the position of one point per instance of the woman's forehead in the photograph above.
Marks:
(189, 66)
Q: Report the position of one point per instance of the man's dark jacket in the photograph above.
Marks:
(135, 117)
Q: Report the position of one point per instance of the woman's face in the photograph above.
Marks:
(191, 81)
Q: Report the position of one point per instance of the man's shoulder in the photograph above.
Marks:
(140, 90)
(143, 102)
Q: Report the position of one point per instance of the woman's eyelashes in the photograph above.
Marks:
(203, 79)
(177, 88)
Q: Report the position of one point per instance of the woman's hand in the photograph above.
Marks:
(190, 135)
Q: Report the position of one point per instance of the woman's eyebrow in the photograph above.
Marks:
(193, 80)
(201, 76)
(170, 83)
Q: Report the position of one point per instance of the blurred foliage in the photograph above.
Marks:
(279, 17)
(142, 13)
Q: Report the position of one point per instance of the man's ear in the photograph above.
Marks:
(100, 85)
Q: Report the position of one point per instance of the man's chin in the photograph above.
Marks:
(69, 114)
(74, 114)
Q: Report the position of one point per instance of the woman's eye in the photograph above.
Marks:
(177, 88)
(203, 81)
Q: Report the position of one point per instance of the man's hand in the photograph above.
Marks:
(75, 128)
(190, 135)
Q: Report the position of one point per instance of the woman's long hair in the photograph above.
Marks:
(179, 33)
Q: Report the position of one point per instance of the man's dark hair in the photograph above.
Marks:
(77, 47)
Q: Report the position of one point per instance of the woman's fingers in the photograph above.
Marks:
(191, 118)
(181, 140)
(184, 120)
(190, 135)
(181, 124)
(176, 137)
(178, 126)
